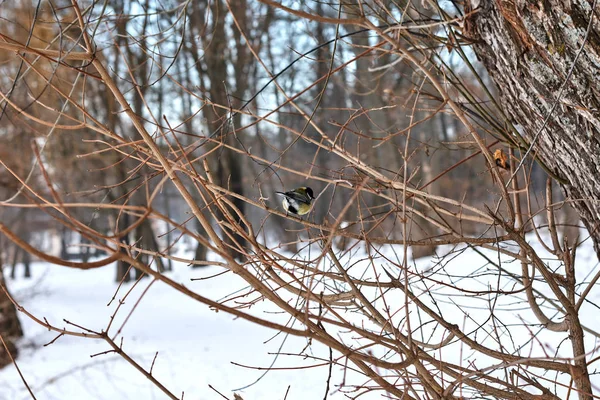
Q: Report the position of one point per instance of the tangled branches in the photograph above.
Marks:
(389, 187)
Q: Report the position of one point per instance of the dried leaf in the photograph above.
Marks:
(501, 159)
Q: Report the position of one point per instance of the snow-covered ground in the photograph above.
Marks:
(198, 347)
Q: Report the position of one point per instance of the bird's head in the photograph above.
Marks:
(306, 191)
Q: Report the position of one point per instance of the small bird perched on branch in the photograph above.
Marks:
(297, 201)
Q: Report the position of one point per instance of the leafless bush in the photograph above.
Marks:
(397, 139)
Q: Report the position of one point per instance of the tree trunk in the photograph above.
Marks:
(529, 50)
(10, 326)
(216, 56)
(201, 251)
(545, 60)
(123, 271)
(147, 240)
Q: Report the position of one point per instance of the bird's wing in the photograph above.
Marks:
(297, 196)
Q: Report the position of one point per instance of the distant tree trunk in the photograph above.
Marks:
(123, 271)
(20, 255)
(13, 261)
(26, 263)
(167, 205)
(84, 250)
(200, 253)
(529, 49)
(10, 326)
(212, 66)
(570, 225)
(147, 240)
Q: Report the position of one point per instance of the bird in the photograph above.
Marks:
(297, 201)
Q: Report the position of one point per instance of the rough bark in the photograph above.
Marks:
(545, 60)
(529, 49)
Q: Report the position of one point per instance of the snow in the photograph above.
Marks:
(198, 346)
